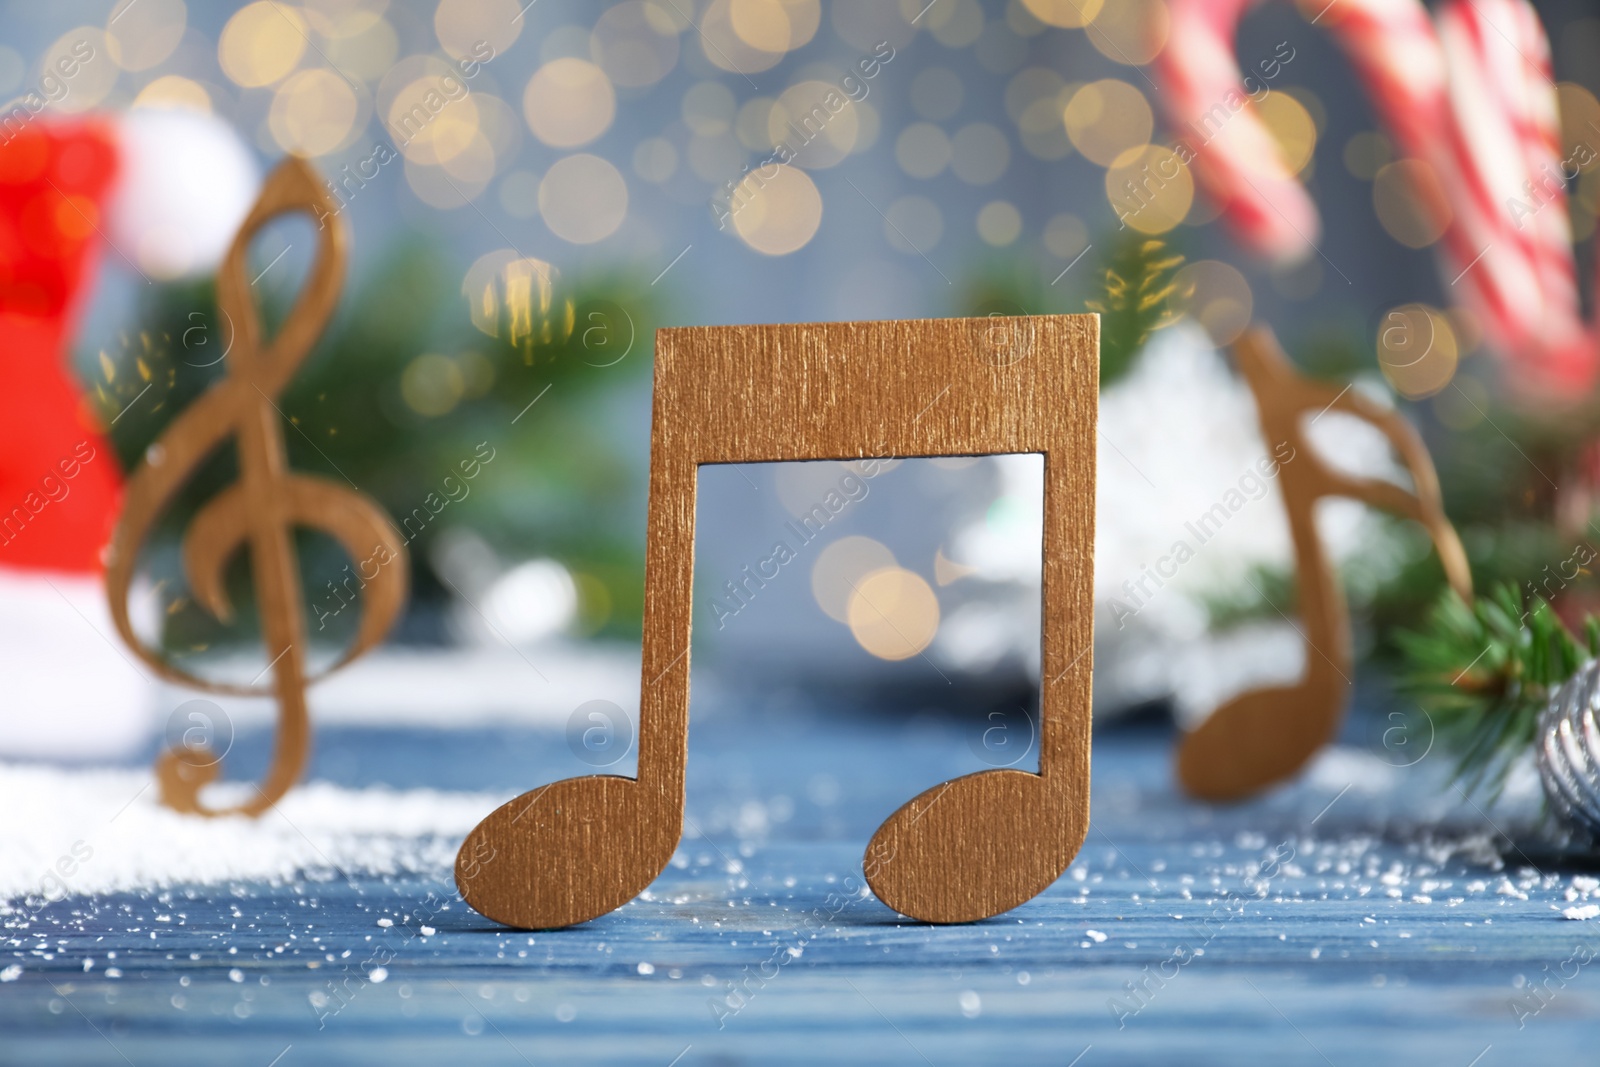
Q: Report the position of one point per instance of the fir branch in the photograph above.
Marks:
(1140, 297)
(1484, 671)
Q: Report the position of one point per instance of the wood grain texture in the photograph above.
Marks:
(1265, 736)
(263, 509)
(968, 849)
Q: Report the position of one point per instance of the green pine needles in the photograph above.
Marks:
(1484, 671)
(1141, 296)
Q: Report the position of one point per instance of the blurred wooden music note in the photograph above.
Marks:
(264, 508)
(965, 850)
(1266, 735)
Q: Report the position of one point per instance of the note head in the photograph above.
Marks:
(1256, 740)
(972, 847)
(565, 853)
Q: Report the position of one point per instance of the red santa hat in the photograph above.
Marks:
(167, 190)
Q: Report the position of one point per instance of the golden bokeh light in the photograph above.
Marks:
(779, 214)
(262, 43)
(337, 20)
(82, 51)
(473, 167)
(456, 182)
(1417, 350)
(774, 25)
(1067, 14)
(953, 23)
(655, 160)
(723, 47)
(1036, 99)
(1580, 123)
(477, 29)
(433, 118)
(1131, 32)
(1411, 203)
(499, 122)
(174, 91)
(1150, 189)
(518, 299)
(1293, 129)
(635, 43)
(366, 55)
(893, 613)
(839, 570)
(1366, 153)
(313, 113)
(1216, 296)
(999, 223)
(820, 111)
(569, 102)
(1107, 118)
(913, 224)
(432, 385)
(140, 35)
(583, 199)
(1065, 236)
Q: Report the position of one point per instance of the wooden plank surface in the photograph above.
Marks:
(1210, 935)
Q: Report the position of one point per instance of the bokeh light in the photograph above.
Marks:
(262, 43)
(174, 91)
(894, 613)
(839, 570)
(1107, 118)
(999, 223)
(1131, 32)
(635, 43)
(780, 214)
(518, 299)
(1067, 14)
(1411, 202)
(1216, 296)
(477, 29)
(143, 34)
(583, 199)
(913, 224)
(93, 77)
(817, 110)
(1292, 129)
(1150, 188)
(1417, 350)
(313, 112)
(569, 102)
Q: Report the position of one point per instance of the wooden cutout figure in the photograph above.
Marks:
(965, 850)
(1267, 735)
(262, 511)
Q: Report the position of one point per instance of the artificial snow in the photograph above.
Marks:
(73, 832)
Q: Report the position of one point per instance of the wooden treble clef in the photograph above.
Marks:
(1266, 735)
(263, 509)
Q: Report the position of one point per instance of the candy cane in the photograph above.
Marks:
(1473, 100)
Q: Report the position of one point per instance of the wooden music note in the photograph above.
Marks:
(965, 850)
(265, 507)
(1266, 735)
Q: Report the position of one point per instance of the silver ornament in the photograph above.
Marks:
(1568, 750)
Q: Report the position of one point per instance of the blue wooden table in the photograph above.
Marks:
(1324, 924)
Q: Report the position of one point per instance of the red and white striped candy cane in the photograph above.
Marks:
(1473, 100)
